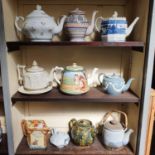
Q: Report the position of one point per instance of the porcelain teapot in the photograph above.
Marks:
(59, 139)
(82, 132)
(115, 134)
(114, 84)
(78, 26)
(38, 26)
(74, 81)
(33, 78)
(115, 28)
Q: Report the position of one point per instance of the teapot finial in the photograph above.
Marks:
(39, 7)
(115, 15)
(34, 63)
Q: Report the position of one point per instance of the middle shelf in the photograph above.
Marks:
(94, 95)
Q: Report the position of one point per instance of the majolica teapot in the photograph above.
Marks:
(78, 26)
(115, 134)
(73, 81)
(33, 78)
(82, 132)
(115, 28)
(59, 139)
(38, 26)
(114, 84)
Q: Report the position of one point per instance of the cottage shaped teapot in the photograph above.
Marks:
(33, 78)
(114, 84)
(115, 134)
(114, 29)
(38, 26)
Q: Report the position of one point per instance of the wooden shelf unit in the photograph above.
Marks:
(135, 45)
(96, 148)
(94, 95)
(3, 145)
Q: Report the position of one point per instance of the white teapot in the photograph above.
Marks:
(59, 139)
(39, 26)
(34, 78)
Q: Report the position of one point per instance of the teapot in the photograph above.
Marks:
(77, 25)
(38, 26)
(59, 139)
(82, 132)
(114, 29)
(33, 78)
(115, 134)
(73, 81)
(114, 84)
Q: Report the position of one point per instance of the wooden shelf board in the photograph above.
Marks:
(94, 95)
(135, 45)
(95, 149)
(1, 95)
(3, 145)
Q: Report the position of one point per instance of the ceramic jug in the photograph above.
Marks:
(114, 29)
(114, 84)
(59, 139)
(34, 78)
(74, 81)
(82, 132)
(115, 134)
(78, 26)
(39, 26)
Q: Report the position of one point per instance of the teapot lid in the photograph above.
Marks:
(35, 68)
(115, 17)
(38, 12)
(113, 125)
(74, 67)
(77, 11)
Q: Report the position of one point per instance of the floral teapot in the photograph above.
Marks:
(114, 29)
(38, 26)
(114, 84)
(59, 139)
(78, 26)
(34, 78)
(115, 134)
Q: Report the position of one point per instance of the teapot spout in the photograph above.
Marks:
(127, 136)
(92, 25)
(127, 85)
(130, 28)
(58, 28)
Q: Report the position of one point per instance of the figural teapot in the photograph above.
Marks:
(33, 78)
(38, 26)
(114, 29)
(74, 81)
(77, 25)
(115, 134)
(114, 84)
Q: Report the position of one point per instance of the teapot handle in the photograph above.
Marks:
(72, 122)
(16, 23)
(19, 73)
(96, 23)
(55, 75)
(100, 79)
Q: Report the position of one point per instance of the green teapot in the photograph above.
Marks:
(82, 132)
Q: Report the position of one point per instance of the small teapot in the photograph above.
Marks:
(114, 29)
(82, 132)
(115, 134)
(78, 26)
(59, 139)
(73, 81)
(114, 84)
(33, 78)
(38, 26)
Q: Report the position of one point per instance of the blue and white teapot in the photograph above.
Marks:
(114, 29)
(114, 84)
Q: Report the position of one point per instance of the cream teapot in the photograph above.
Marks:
(39, 26)
(34, 78)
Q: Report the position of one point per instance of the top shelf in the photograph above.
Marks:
(135, 45)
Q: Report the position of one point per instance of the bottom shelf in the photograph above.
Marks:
(3, 145)
(95, 149)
